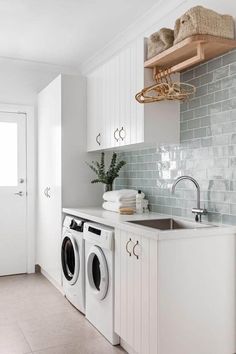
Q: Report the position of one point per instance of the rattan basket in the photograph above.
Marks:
(199, 20)
(159, 41)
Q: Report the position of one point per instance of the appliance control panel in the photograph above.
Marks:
(73, 223)
(100, 235)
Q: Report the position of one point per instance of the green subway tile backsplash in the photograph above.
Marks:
(207, 150)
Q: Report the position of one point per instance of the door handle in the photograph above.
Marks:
(122, 133)
(98, 141)
(116, 131)
(127, 243)
(135, 254)
(46, 192)
(19, 193)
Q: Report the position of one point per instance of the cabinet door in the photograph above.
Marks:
(124, 286)
(131, 113)
(95, 136)
(125, 97)
(114, 117)
(136, 291)
(49, 180)
(149, 297)
(116, 104)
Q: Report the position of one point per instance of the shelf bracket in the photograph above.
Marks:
(196, 59)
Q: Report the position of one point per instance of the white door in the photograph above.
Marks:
(13, 238)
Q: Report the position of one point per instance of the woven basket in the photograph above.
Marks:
(199, 20)
(159, 41)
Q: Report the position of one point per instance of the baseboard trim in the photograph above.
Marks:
(54, 283)
(126, 347)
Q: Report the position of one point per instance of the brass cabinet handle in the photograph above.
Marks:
(116, 131)
(135, 254)
(127, 243)
(98, 141)
(122, 135)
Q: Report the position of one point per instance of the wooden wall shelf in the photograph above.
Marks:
(190, 52)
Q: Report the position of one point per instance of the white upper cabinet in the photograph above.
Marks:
(114, 117)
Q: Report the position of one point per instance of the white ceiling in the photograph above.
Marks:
(63, 32)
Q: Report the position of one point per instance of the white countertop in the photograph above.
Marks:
(116, 220)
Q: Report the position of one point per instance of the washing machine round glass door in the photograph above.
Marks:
(70, 258)
(97, 272)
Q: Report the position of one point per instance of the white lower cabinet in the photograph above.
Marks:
(136, 291)
(175, 296)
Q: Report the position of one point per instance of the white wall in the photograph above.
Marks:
(20, 81)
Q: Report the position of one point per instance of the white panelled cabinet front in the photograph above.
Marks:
(136, 291)
(114, 117)
(175, 296)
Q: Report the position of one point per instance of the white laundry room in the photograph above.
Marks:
(117, 177)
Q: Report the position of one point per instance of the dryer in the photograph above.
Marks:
(72, 261)
(99, 270)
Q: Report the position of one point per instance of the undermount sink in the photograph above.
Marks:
(168, 224)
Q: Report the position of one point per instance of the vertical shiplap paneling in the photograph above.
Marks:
(128, 102)
(145, 308)
(139, 86)
(117, 98)
(122, 79)
(124, 286)
(133, 88)
(130, 293)
(137, 315)
(153, 296)
(117, 280)
(108, 118)
(112, 98)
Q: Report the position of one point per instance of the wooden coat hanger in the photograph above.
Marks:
(165, 89)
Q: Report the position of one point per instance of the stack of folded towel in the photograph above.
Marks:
(123, 198)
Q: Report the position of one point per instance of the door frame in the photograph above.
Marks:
(28, 111)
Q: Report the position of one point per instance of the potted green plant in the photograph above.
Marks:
(103, 176)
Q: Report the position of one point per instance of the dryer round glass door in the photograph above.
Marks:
(70, 259)
(97, 272)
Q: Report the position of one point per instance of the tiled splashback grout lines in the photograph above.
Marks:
(207, 150)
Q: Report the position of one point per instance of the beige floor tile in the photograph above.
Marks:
(35, 314)
(22, 303)
(12, 340)
(57, 330)
(89, 347)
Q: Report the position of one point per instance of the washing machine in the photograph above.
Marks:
(72, 261)
(99, 270)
